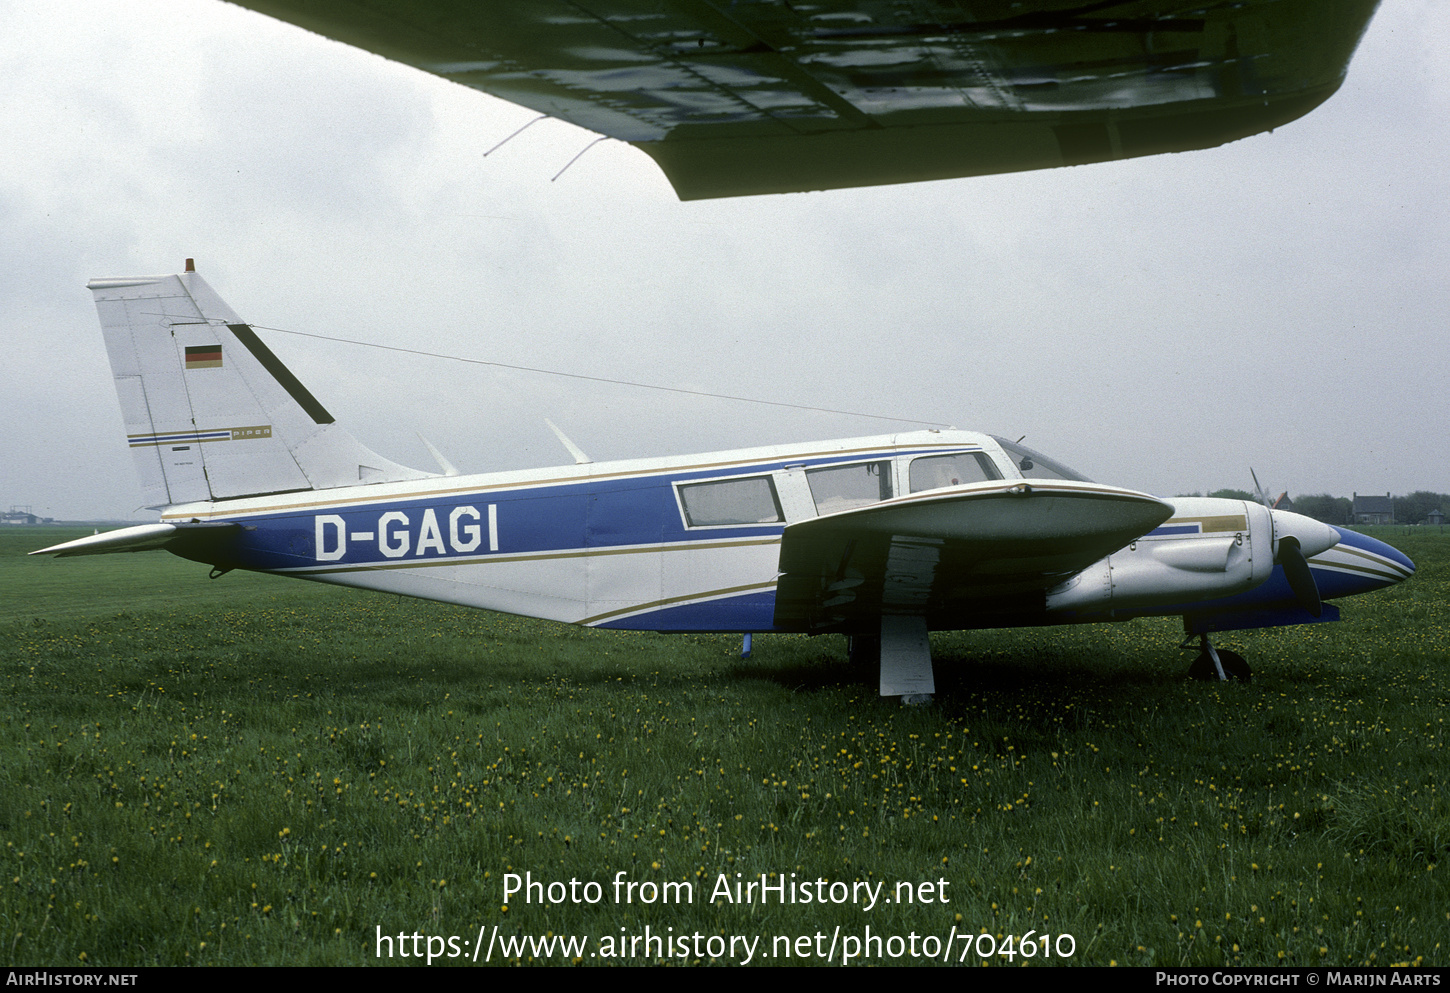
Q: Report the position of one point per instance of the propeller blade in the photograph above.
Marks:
(1263, 494)
(1301, 579)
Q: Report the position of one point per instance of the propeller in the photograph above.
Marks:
(1263, 493)
(1289, 553)
(1301, 579)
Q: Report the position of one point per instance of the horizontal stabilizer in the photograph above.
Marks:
(142, 538)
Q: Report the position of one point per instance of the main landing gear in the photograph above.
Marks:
(1216, 663)
(903, 652)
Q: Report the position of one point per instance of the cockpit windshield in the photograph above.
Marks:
(1035, 465)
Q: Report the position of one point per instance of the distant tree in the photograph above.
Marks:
(1323, 507)
(1412, 509)
(1234, 495)
(1195, 493)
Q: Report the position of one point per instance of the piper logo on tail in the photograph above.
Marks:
(197, 437)
(244, 434)
(399, 534)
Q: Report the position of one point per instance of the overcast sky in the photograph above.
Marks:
(1162, 323)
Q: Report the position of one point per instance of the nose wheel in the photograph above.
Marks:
(1217, 663)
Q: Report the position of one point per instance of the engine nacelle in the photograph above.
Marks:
(1209, 548)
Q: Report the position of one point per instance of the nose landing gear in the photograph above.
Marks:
(1216, 663)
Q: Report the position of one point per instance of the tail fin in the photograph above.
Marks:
(210, 411)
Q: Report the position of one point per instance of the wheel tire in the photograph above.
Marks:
(1234, 665)
(1202, 667)
(865, 649)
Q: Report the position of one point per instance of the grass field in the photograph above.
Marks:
(251, 770)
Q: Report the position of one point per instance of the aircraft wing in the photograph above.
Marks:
(734, 97)
(955, 553)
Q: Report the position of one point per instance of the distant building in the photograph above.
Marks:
(1283, 503)
(1372, 510)
(18, 515)
(1435, 517)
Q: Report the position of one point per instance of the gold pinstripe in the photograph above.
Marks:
(1387, 569)
(707, 595)
(1209, 525)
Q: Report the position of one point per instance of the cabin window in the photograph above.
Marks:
(846, 487)
(937, 471)
(731, 501)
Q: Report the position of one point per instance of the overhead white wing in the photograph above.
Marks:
(770, 96)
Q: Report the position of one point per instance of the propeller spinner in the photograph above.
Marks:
(1296, 538)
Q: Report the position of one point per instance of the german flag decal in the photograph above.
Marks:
(203, 356)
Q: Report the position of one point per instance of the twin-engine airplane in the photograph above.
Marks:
(883, 539)
(772, 96)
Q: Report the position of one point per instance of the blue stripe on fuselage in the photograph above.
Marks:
(1374, 546)
(746, 612)
(561, 517)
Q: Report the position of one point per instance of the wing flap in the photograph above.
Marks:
(986, 547)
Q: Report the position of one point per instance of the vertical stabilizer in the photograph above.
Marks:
(210, 411)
